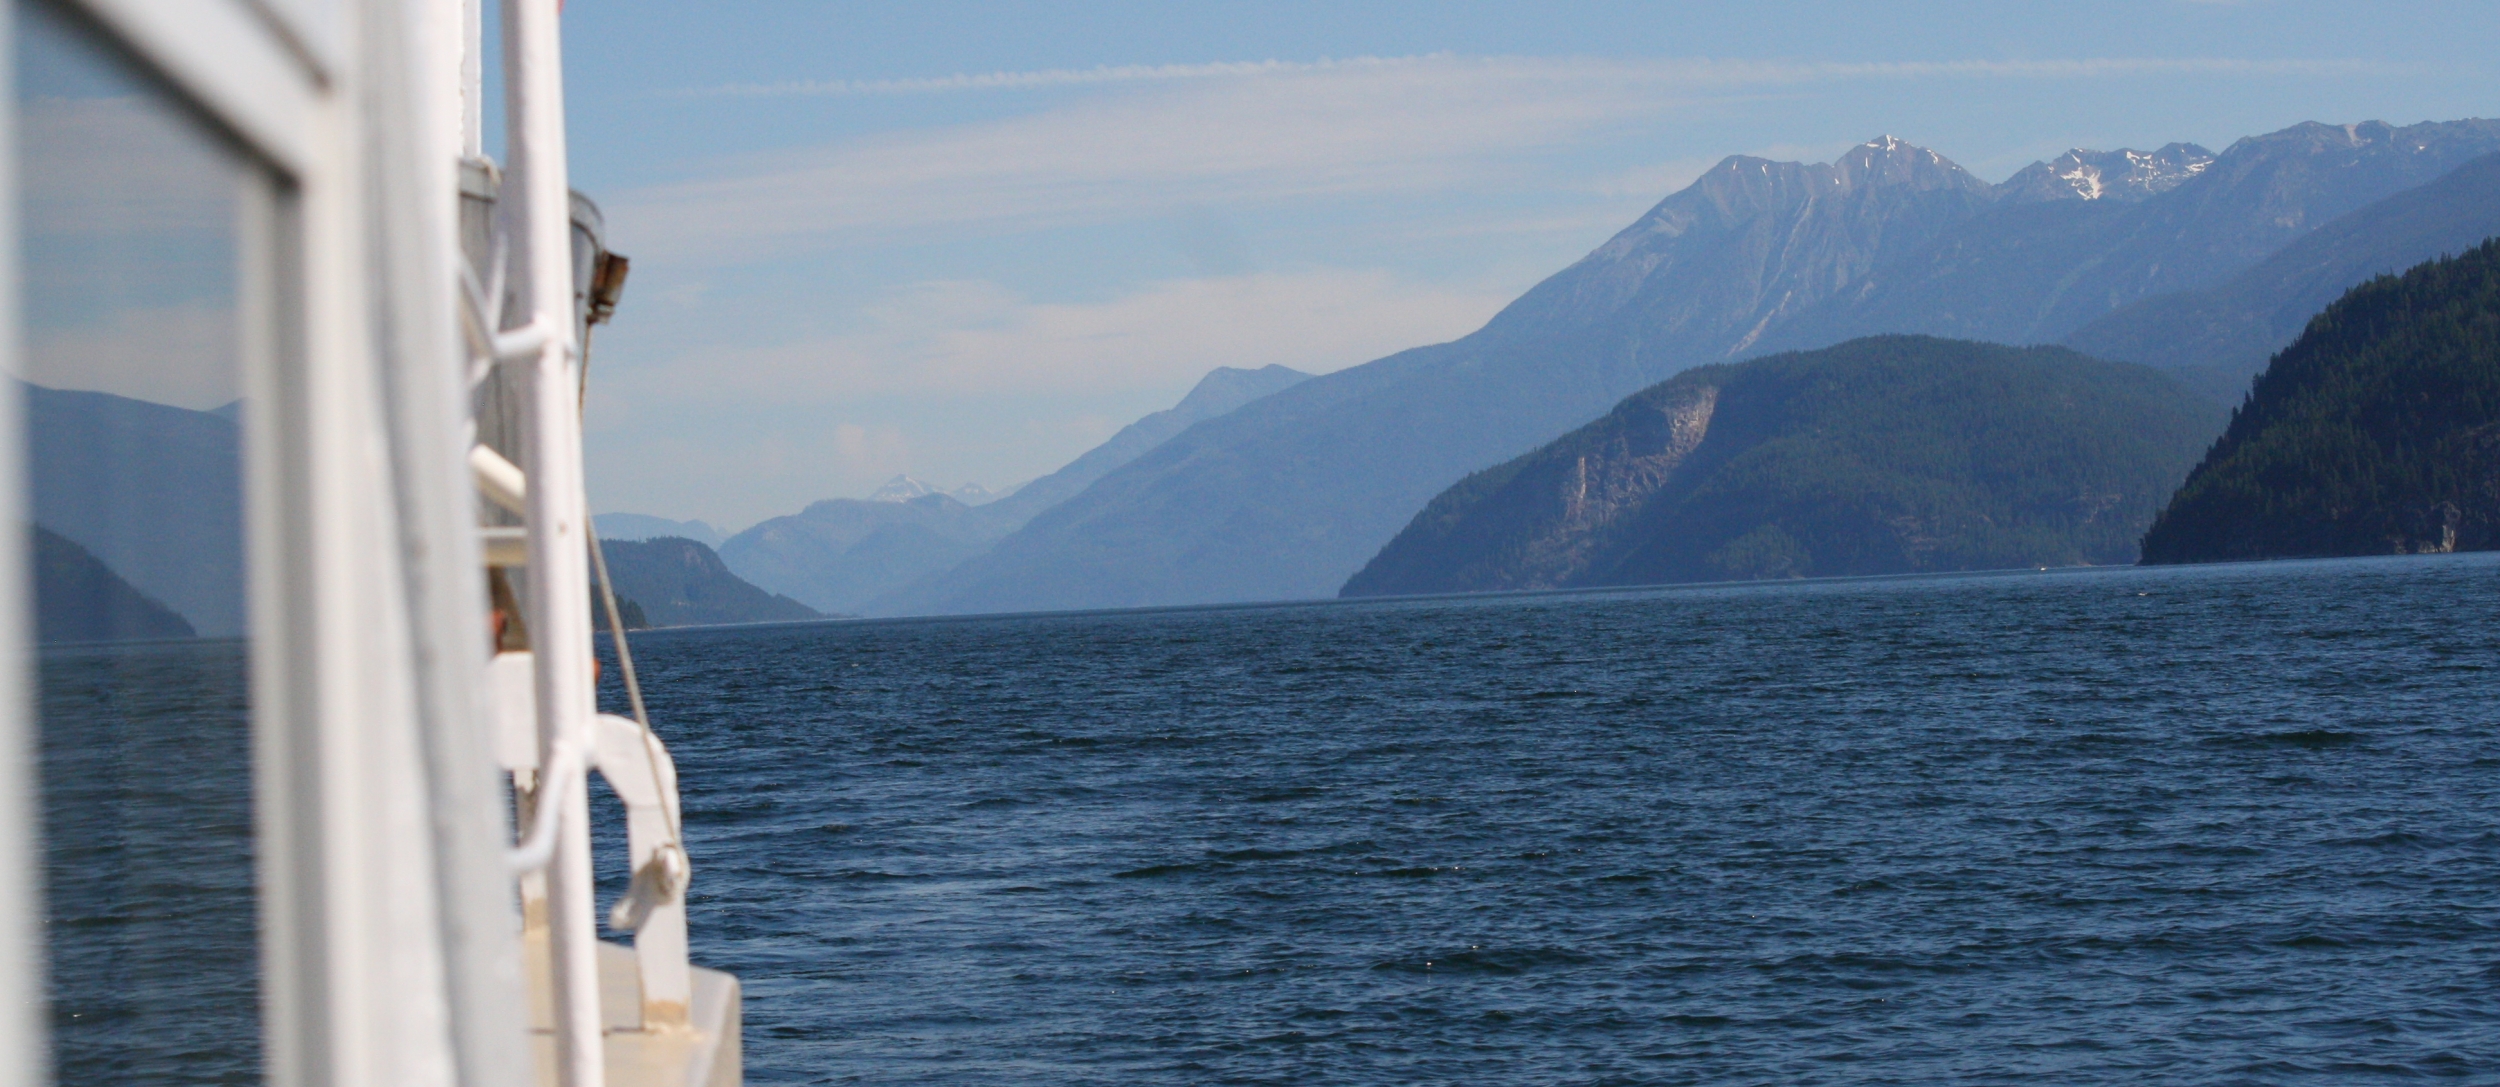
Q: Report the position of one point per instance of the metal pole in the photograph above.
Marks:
(541, 230)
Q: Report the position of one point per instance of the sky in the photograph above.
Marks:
(969, 241)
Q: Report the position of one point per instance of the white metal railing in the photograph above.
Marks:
(634, 763)
(548, 733)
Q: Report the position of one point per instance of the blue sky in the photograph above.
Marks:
(968, 241)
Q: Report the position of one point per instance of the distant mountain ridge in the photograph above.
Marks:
(838, 554)
(1290, 495)
(903, 488)
(1222, 390)
(2120, 176)
(2376, 432)
(2028, 272)
(872, 555)
(1885, 455)
(151, 491)
(2217, 339)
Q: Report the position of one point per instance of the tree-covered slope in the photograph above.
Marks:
(1889, 454)
(679, 582)
(2376, 432)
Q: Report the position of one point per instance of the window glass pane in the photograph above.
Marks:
(131, 379)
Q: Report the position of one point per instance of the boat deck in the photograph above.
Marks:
(702, 1052)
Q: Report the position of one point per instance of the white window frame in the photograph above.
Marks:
(376, 945)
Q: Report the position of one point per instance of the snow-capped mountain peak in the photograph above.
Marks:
(902, 489)
(2123, 176)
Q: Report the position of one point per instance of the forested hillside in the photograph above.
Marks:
(2376, 432)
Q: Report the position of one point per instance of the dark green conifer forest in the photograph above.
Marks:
(2376, 432)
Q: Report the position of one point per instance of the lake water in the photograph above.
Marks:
(2191, 825)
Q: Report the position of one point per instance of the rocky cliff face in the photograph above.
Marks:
(1893, 454)
(1562, 506)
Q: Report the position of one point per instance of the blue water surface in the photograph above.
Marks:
(2147, 826)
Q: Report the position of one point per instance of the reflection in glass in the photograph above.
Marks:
(132, 396)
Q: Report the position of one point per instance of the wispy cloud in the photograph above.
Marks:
(956, 377)
(1044, 79)
(964, 380)
(1234, 133)
(1689, 71)
(973, 338)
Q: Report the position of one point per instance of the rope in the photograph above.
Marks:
(633, 683)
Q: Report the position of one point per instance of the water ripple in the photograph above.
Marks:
(2210, 825)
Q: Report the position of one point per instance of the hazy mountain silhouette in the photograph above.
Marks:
(79, 599)
(151, 491)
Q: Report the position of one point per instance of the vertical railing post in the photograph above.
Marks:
(538, 202)
(472, 79)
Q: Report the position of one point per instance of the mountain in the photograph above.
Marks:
(1222, 390)
(2217, 339)
(1291, 494)
(1886, 455)
(2031, 271)
(680, 582)
(643, 526)
(903, 488)
(2120, 177)
(838, 554)
(2376, 432)
(151, 491)
(870, 556)
(79, 599)
(974, 494)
